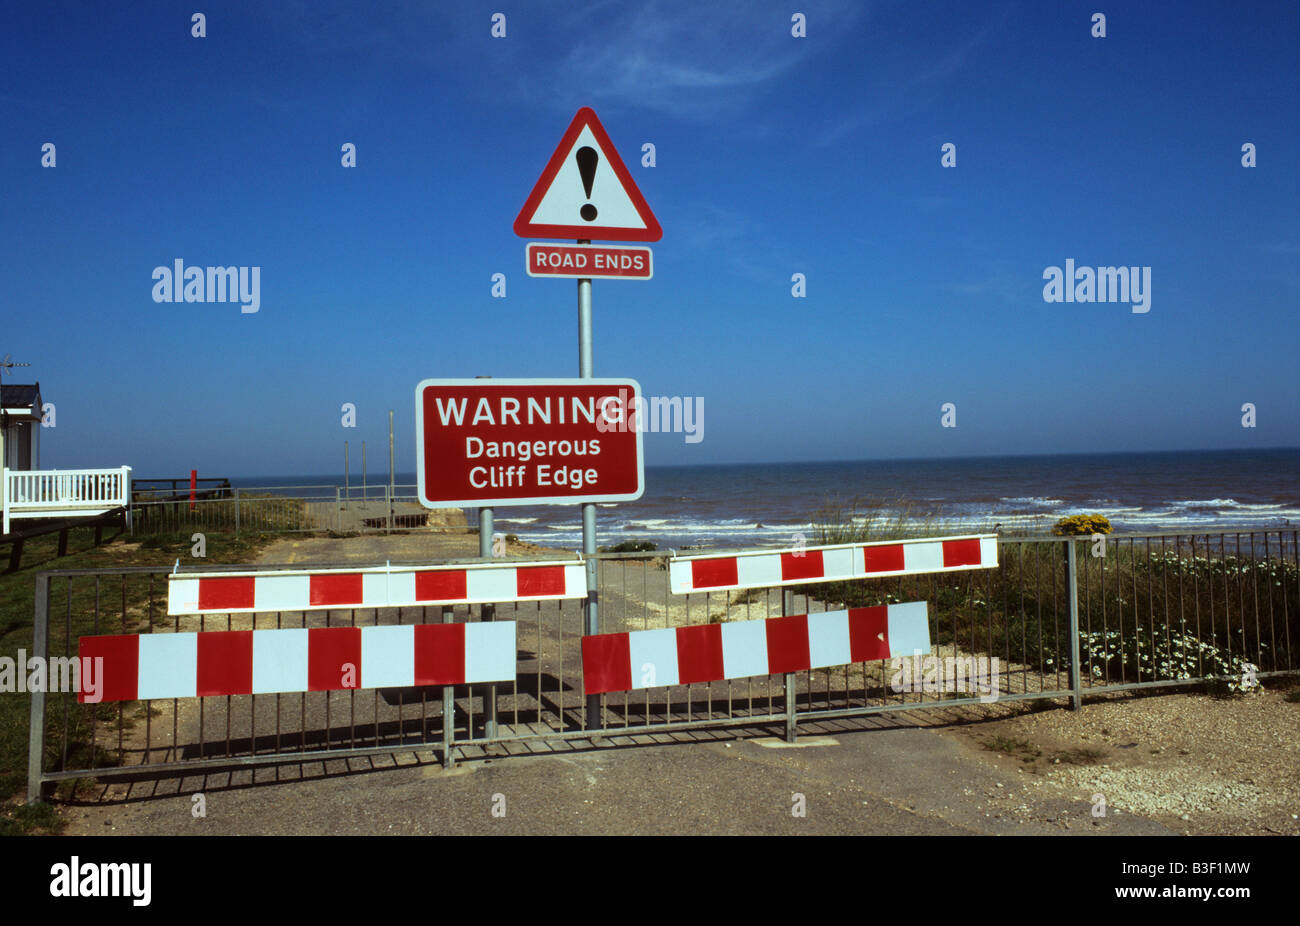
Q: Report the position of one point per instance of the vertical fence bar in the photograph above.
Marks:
(67, 651)
(1076, 682)
(40, 643)
(1286, 613)
(791, 718)
(448, 713)
(487, 612)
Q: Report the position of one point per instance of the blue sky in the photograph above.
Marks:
(775, 155)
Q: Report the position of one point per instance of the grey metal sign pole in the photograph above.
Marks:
(487, 612)
(392, 485)
(591, 608)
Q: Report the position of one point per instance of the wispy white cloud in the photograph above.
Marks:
(695, 59)
(1001, 282)
(902, 82)
(682, 57)
(735, 240)
(709, 225)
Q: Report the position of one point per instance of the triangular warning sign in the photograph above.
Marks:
(586, 192)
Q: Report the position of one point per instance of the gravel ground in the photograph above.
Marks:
(1198, 764)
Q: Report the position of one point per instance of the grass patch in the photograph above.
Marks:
(125, 603)
(1020, 749)
(1079, 755)
(864, 520)
(1028, 753)
(31, 820)
(253, 512)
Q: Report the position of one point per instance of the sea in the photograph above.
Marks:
(726, 506)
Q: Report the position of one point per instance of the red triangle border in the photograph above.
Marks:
(525, 229)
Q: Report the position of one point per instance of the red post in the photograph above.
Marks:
(194, 484)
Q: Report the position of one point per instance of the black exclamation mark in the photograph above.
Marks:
(587, 160)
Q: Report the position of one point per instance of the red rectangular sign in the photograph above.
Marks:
(490, 442)
(589, 261)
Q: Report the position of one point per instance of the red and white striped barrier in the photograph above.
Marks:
(738, 649)
(373, 587)
(231, 662)
(764, 568)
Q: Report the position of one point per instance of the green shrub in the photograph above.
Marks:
(630, 546)
(1082, 524)
(31, 819)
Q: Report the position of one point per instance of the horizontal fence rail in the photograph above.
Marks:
(284, 509)
(169, 489)
(1055, 619)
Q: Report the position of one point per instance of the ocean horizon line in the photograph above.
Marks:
(1109, 454)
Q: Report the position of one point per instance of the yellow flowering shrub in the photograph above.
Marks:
(1085, 524)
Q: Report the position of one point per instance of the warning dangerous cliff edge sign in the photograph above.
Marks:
(486, 443)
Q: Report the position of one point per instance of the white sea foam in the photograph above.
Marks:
(698, 532)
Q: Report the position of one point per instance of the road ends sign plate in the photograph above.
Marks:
(589, 261)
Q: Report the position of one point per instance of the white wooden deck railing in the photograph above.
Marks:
(63, 493)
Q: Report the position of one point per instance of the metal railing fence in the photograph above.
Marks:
(1061, 623)
(285, 509)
